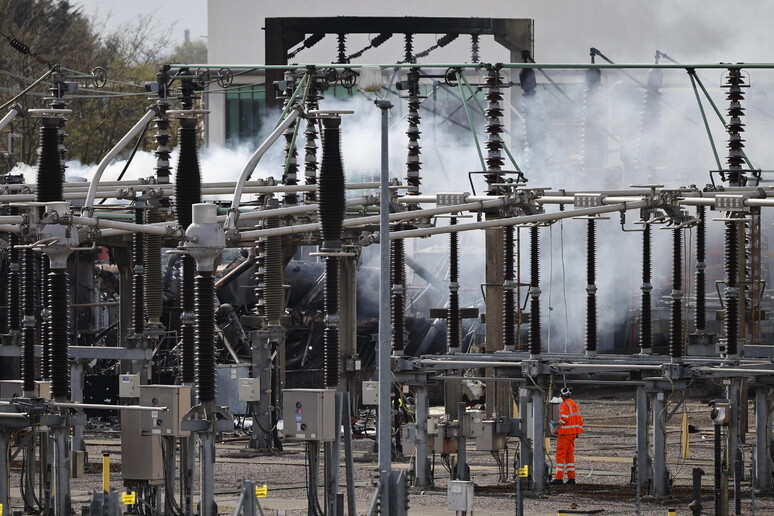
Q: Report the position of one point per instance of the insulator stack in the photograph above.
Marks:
(138, 283)
(310, 136)
(413, 163)
(701, 286)
(646, 324)
(397, 293)
(13, 319)
(274, 294)
(509, 300)
(29, 333)
(594, 149)
(290, 163)
(187, 193)
(676, 320)
(41, 264)
(50, 177)
(591, 287)
(474, 48)
(331, 334)
(58, 333)
(650, 119)
(453, 326)
(341, 40)
(731, 294)
(494, 131)
(153, 286)
(409, 48)
(260, 275)
(331, 194)
(187, 344)
(204, 315)
(535, 343)
(735, 127)
(188, 186)
(163, 150)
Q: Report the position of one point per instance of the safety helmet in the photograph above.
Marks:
(566, 392)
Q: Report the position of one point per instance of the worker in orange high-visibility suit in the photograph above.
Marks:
(568, 428)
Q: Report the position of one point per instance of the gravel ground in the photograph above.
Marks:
(603, 457)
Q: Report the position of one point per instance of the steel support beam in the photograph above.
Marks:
(538, 440)
(643, 458)
(763, 429)
(660, 486)
(421, 410)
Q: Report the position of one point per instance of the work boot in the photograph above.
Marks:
(557, 482)
(571, 481)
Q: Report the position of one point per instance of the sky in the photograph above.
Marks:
(190, 14)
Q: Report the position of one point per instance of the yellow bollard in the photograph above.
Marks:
(561, 513)
(106, 472)
(671, 512)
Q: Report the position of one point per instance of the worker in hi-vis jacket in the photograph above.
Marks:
(569, 426)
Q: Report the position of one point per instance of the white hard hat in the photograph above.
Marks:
(565, 392)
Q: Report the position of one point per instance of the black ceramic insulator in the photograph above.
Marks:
(731, 302)
(14, 277)
(701, 287)
(474, 48)
(162, 139)
(397, 274)
(29, 333)
(509, 308)
(409, 48)
(310, 147)
(413, 163)
(42, 266)
(676, 321)
(331, 185)
(735, 127)
(494, 130)
(138, 259)
(646, 327)
(535, 343)
(342, 47)
(188, 184)
(274, 294)
(153, 286)
(204, 325)
(49, 163)
(58, 333)
(591, 295)
(187, 303)
(331, 337)
(453, 316)
(290, 163)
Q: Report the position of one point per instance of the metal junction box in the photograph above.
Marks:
(11, 389)
(177, 399)
(459, 496)
(249, 389)
(309, 414)
(490, 440)
(472, 423)
(129, 386)
(370, 393)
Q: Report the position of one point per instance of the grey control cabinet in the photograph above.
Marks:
(309, 414)
(177, 400)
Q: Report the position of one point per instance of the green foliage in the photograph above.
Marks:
(56, 32)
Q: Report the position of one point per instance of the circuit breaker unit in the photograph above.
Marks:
(177, 400)
(309, 414)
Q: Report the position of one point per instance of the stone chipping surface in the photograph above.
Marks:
(603, 456)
